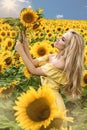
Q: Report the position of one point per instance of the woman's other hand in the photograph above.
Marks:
(19, 46)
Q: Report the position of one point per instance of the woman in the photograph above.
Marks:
(56, 70)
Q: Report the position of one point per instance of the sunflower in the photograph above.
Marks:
(6, 91)
(41, 35)
(9, 43)
(85, 59)
(1, 39)
(84, 83)
(41, 49)
(1, 67)
(85, 55)
(16, 58)
(13, 34)
(26, 72)
(9, 61)
(35, 109)
(3, 33)
(8, 33)
(6, 53)
(36, 26)
(27, 17)
(6, 26)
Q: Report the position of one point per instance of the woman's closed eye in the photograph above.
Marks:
(63, 39)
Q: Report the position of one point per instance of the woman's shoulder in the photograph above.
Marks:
(59, 63)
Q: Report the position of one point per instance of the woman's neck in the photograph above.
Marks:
(60, 53)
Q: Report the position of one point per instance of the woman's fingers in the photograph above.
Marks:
(24, 37)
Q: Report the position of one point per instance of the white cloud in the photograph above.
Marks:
(26, 1)
(29, 6)
(12, 8)
(9, 5)
(23, 1)
(59, 16)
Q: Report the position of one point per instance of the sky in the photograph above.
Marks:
(65, 9)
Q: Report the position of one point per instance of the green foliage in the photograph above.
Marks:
(7, 120)
(12, 21)
(14, 73)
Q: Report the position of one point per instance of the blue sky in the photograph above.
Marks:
(66, 9)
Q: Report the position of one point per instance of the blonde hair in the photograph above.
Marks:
(73, 54)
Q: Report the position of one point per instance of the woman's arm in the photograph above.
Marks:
(26, 49)
(32, 69)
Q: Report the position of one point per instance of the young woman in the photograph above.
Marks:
(56, 70)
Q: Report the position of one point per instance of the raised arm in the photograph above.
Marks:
(28, 62)
(26, 49)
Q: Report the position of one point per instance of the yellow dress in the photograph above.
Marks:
(54, 78)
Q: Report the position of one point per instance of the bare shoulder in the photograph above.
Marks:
(60, 63)
(57, 62)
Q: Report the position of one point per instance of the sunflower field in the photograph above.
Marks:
(15, 78)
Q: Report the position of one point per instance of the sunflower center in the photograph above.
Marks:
(13, 34)
(8, 60)
(7, 90)
(0, 40)
(48, 31)
(35, 26)
(28, 17)
(3, 33)
(17, 56)
(9, 43)
(49, 34)
(8, 33)
(0, 68)
(41, 51)
(59, 29)
(85, 78)
(38, 110)
(41, 34)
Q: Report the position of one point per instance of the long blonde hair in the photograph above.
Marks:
(73, 55)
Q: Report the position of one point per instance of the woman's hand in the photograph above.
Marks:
(19, 46)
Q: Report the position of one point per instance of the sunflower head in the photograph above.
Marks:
(36, 108)
(26, 72)
(41, 48)
(27, 17)
(84, 78)
(43, 108)
(37, 111)
(8, 61)
(36, 26)
(6, 91)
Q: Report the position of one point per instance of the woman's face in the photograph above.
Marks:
(61, 42)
